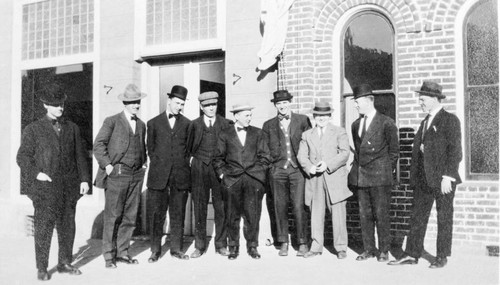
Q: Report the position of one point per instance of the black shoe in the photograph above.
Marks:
(283, 249)
(222, 251)
(127, 259)
(110, 263)
(179, 255)
(252, 251)
(440, 262)
(43, 275)
(404, 260)
(154, 257)
(234, 251)
(383, 257)
(365, 255)
(68, 268)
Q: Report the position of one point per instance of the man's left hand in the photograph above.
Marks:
(446, 186)
(84, 188)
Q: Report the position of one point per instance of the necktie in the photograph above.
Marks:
(426, 125)
(172, 115)
(363, 130)
(241, 129)
(321, 131)
(209, 123)
(281, 117)
(134, 118)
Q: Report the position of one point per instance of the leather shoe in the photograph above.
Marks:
(43, 275)
(179, 255)
(234, 251)
(302, 250)
(440, 262)
(222, 251)
(154, 257)
(365, 255)
(341, 254)
(404, 260)
(197, 253)
(110, 263)
(383, 257)
(311, 254)
(127, 259)
(68, 268)
(283, 249)
(252, 251)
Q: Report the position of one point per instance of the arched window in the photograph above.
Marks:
(481, 91)
(368, 57)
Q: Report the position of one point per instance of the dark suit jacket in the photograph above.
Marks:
(442, 152)
(195, 134)
(233, 159)
(60, 156)
(376, 156)
(168, 154)
(112, 142)
(273, 134)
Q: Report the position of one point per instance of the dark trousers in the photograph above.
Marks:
(289, 186)
(122, 196)
(158, 202)
(422, 205)
(271, 212)
(374, 205)
(61, 214)
(204, 179)
(244, 200)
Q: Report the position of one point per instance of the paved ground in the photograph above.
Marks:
(17, 266)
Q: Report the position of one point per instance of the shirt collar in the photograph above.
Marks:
(371, 114)
(127, 114)
(435, 111)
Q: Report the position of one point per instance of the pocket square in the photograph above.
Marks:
(435, 129)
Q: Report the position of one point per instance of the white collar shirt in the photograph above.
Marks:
(242, 135)
(131, 122)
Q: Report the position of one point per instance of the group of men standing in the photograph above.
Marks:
(232, 162)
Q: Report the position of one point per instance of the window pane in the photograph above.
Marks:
(368, 52)
(482, 45)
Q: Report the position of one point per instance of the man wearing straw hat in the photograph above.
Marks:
(120, 150)
(55, 173)
(202, 143)
(323, 155)
(241, 163)
(282, 135)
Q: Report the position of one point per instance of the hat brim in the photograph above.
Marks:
(124, 99)
(180, 96)
(322, 112)
(60, 101)
(362, 95)
(274, 100)
(431, 94)
(244, 109)
(209, 101)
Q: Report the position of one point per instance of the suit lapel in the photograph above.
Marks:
(432, 129)
(315, 139)
(125, 123)
(235, 137)
(375, 125)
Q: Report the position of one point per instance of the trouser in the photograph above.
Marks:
(122, 196)
(289, 186)
(61, 214)
(321, 202)
(158, 202)
(374, 205)
(423, 200)
(244, 200)
(204, 181)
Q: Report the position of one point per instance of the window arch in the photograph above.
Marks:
(480, 32)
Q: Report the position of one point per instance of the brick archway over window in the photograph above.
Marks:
(440, 13)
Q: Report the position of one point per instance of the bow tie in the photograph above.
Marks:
(281, 117)
(172, 115)
(134, 118)
(55, 121)
(241, 129)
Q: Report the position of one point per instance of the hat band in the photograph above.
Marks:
(322, 109)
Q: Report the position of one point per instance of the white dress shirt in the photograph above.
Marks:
(207, 120)
(367, 120)
(131, 122)
(242, 135)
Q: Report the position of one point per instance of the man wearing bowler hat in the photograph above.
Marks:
(120, 150)
(282, 135)
(376, 154)
(241, 163)
(437, 152)
(202, 144)
(169, 177)
(55, 173)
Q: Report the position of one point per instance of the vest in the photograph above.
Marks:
(206, 150)
(287, 157)
(132, 157)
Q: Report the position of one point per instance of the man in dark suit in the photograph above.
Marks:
(55, 172)
(437, 152)
(202, 145)
(120, 150)
(241, 162)
(169, 177)
(376, 154)
(282, 135)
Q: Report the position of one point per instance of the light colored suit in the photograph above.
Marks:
(328, 188)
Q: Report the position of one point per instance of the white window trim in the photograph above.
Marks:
(16, 82)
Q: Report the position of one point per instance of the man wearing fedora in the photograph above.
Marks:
(323, 155)
(376, 144)
(120, 151)
(55, 173)
(282, 135)
(169, 177)
(202, 144)
(241, 163)
(437, 152)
